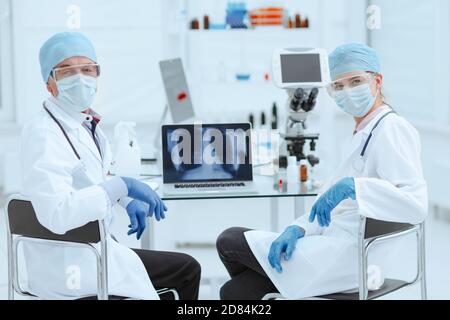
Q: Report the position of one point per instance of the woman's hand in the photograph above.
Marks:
(344, 189)
(285, 244)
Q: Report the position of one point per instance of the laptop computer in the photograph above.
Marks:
(207, 158)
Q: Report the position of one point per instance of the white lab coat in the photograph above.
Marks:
(391, 187)
(65, 193)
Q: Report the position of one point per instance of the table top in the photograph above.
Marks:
(266, 187)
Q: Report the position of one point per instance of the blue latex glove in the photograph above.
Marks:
(285, 244)
(142, 192)
(138, 212)
(344, 189)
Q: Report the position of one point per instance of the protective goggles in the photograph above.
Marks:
(350, 82)
(91, 70)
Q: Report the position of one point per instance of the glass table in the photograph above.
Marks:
(267, 187)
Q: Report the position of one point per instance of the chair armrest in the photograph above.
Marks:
(22, 221)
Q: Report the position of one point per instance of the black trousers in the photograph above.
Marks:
(248, 279)
(172, 270)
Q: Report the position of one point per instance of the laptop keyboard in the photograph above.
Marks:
(210, 185)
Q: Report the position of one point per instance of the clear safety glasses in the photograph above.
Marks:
(349, 83)
(91, 70)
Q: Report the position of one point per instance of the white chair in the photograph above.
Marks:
(23, 226)
(373, 232)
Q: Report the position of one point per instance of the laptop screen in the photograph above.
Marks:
(207, 153)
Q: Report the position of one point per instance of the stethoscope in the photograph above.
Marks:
(63, 131)
(360, 162)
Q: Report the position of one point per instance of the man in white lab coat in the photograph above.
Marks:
(380, 177)
(66, 161)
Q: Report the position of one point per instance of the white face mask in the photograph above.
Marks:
(356, 101)
(78, 91)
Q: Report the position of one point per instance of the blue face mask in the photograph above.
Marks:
(356, 101)
(77, 92)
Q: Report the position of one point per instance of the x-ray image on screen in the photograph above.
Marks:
(207, 153)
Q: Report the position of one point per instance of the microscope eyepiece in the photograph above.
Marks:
(297, 99)
(309, 105)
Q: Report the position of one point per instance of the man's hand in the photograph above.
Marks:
(138, 212)
(141, 191)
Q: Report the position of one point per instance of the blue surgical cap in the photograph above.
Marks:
(63, 46)
(353, 57)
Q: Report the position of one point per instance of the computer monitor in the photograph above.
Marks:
(207, 153)
(301, 68)
(177, 91)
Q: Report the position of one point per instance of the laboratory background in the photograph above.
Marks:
(227, 57)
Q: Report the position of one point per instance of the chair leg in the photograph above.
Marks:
(362, 264)
(102, 271)
(11, 274)
(102, 278)
(423, 288)
(421, 255)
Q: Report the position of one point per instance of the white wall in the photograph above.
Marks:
(6, 75)
(413, 43)
(128, 39)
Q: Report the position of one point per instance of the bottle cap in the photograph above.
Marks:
(303, 162)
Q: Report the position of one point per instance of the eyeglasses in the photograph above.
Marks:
(91, 70)
(349, 83)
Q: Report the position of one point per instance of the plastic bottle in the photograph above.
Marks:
(303, 171)
(127, 160)
(293, 172)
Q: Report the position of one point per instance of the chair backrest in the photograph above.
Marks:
(376, 228)
(23, 222)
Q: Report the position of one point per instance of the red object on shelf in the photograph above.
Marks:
(195, 24)
(182, 96)
(267, 17)
(298, 21)
(290, 24)
(305, 23)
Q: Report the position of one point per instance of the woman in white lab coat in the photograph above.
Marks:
(66, 161)
(380, 177)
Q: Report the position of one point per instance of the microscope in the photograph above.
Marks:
(301, 72)
(300, 105)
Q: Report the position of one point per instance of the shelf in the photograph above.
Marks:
(262, 31)
(253, 30)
